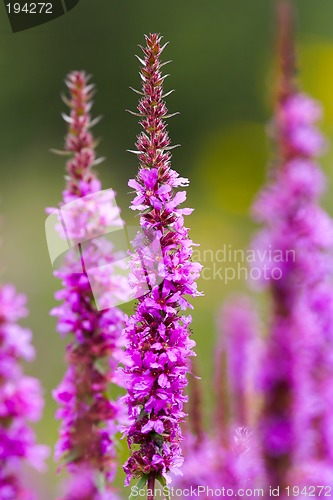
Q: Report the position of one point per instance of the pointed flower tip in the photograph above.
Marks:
(153, 38)
(79, 142)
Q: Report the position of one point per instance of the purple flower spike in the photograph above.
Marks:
(210, 465)
(239, 327)
(297, 375)
(83, 486)
(89, 419)
(228, 456)
(157, 335)
(20, 399)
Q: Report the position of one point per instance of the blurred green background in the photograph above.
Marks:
(222, 53)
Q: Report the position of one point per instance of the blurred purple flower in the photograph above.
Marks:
(84, 486)
(89, 419)
(157, 335)
(21, 399)
(239, 343)
(297, 374)
(228, 456)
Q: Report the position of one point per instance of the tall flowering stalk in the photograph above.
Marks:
(227, 457)
(234, 374)
(157, 335)
(211, 470)
(20, 399)
(239, 463)
(238, 342)
(89, 417)
(296, 421)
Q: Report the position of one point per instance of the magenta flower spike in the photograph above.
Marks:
(21, 399)
(227, 458)
(83, 487)
(296, 376)
(210, 470)
(88, 417)
(239, 330)
(158, 339)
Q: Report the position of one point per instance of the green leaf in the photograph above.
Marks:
(72, 456)
(143, 414)
(147, 210)
(100, 482)
(140, 484)
(102, 366)
(158, 439)
(117, 444)
(60, 152)
(162, 481)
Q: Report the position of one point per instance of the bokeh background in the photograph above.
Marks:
(223, 58)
